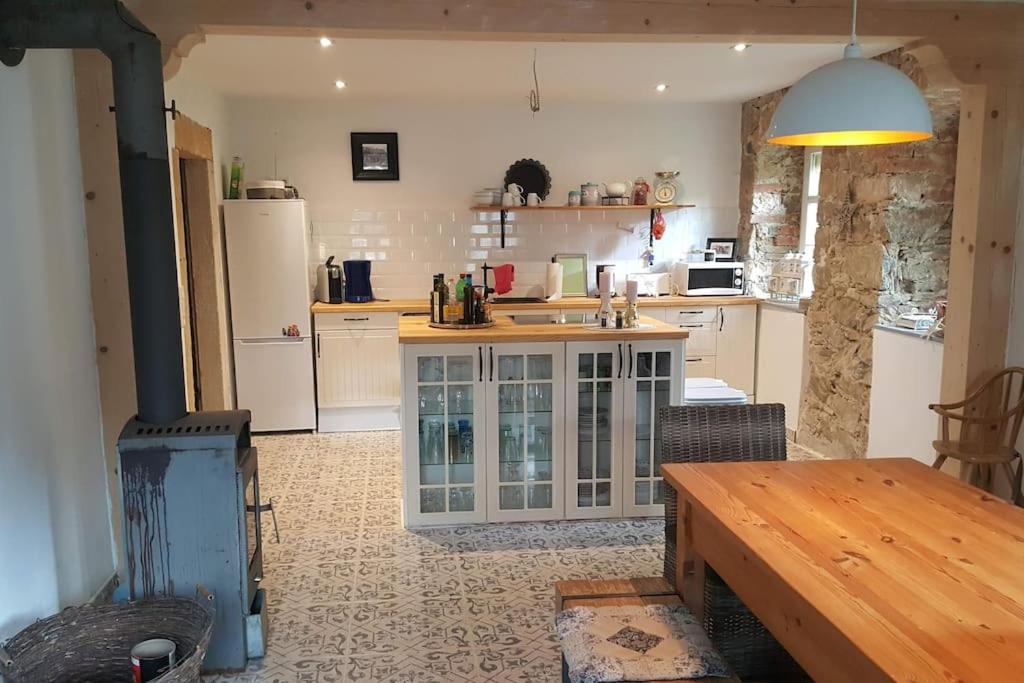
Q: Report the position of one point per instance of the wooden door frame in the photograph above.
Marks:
(193, 150)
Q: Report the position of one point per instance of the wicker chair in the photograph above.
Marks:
(726, 433)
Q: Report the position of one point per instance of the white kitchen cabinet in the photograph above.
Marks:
(736, 345)
(358, 371)
(444, 434)
(654, 380)
(594, 429)
(525, 386)
(612, 445)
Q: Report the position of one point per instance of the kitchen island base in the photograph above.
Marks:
(507, 426)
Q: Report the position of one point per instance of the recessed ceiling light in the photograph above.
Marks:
(740, 47)
(661, 87)
(339, 84)
(326, 42)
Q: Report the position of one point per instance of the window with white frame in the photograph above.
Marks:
(809, 213)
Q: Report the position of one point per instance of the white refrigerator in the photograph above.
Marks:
(270, 293)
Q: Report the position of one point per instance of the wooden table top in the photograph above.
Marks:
(921, 573)
(417, 330)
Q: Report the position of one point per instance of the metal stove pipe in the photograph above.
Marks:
(134, 53)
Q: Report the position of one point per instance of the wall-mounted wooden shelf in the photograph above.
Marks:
(653, 208)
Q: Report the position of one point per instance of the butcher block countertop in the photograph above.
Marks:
(417, 330)
(569, 302)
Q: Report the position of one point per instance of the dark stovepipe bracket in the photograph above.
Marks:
(11, 56)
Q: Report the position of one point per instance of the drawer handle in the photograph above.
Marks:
(692, 325)
(690, 312)
(355, 320)
(694, 360)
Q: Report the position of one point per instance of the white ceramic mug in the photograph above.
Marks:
(517, 193)
(507, 199)
(533, 199)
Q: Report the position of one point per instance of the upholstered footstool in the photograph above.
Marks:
(632, 630)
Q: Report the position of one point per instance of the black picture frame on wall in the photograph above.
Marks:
(374, 156)
(724, 248)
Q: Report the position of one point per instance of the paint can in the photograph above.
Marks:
(152, 658)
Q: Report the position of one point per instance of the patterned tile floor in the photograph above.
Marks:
(352, 596)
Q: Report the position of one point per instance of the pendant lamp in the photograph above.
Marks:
(854, 101)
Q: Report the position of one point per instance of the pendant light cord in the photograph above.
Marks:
(853, 26)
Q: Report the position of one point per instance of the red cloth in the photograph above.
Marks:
(504, 276)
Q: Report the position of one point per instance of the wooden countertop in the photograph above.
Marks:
(417, 330)
(865, 570)
(570, 302)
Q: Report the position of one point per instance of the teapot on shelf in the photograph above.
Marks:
(617, 189)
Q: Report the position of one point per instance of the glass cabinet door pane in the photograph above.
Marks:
(432, 500)
(643, 364)
(604, 460)
(510, 368)
(431, 400)
(603, 494)
(585, 460)
(460, 499)
(604, 365)
(432, 440)
(460, 368)
(538, 398)
(430, 369)
(460, 400)
(642, 492)
(585, 366)
(510, 398)
(510, 497)
(663, 364)
(603, 412)
(538, 496)
(539, 366)
(584, 495)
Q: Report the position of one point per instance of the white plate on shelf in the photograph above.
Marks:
(612, 328)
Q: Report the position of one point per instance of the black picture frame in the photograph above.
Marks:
(724, 248)
(374, 156)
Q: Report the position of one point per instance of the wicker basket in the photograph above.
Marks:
(93, 642)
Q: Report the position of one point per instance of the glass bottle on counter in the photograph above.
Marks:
(452, 309)
(436, 306)
(460, 288)
(467, 300)
(441, 297)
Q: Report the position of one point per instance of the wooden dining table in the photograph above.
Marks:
(864, 570)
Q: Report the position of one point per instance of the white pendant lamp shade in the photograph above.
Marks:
(854, 101)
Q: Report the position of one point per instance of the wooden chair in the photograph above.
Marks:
(990, 421)
(617, 593)
(723, 433)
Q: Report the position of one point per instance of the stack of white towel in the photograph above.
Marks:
(703, 391)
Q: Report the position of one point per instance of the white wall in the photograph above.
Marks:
(781, 359)
(55, 531)
(905, 377)
(422, 225)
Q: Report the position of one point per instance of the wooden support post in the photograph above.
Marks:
(985, 215)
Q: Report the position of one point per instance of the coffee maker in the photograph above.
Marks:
(357, 281)
(329, 286)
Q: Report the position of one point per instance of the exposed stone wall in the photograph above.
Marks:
(771, 181)
(882, 246)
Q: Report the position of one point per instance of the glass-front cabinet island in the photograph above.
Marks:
(530, 420)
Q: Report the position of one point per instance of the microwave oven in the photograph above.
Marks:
(707, 278)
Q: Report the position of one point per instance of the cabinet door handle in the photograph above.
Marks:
(692, 325)
(480, 352)
(490, 352)
(721, 318)
(630, 375)
(690, 312)
(620, 361)
(317, 344)
(355, 320)
(694, 360)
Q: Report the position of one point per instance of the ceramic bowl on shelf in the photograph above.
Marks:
(483, 198)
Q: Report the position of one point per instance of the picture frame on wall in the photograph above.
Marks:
(724, 248)
(374, 156)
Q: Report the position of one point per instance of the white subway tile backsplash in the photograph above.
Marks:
(408, 245)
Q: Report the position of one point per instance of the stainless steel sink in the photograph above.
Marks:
(553, 319)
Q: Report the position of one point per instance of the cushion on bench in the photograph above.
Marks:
(636, 643)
